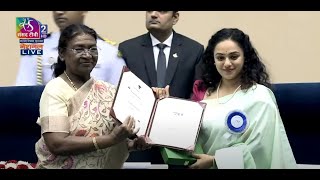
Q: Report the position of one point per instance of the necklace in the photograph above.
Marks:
(74, 86)
(229, 98)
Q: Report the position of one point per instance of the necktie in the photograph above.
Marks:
(161, 66)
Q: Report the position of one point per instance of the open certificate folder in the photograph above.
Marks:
(169, 122)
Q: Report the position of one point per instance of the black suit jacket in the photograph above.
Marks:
(185, 54)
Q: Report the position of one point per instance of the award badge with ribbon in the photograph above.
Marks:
(237, 122)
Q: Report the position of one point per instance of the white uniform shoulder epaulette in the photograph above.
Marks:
(113, 43)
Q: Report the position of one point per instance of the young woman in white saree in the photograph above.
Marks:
(77, 130)
(241, 127)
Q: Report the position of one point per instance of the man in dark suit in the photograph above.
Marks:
(182, 54)
(172, 64)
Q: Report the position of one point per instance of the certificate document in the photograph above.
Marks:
(169, 122)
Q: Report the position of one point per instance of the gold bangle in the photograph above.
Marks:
(95, 143)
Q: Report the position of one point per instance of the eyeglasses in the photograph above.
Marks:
(80, 51)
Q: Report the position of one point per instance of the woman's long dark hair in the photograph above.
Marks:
(66, 36)
(254, 71)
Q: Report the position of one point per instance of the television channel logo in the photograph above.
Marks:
(31, 34)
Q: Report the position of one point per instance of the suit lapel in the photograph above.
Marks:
(149, 59)
(174, 57)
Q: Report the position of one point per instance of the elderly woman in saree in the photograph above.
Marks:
(76, 128)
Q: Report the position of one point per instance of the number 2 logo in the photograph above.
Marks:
(43, 29)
